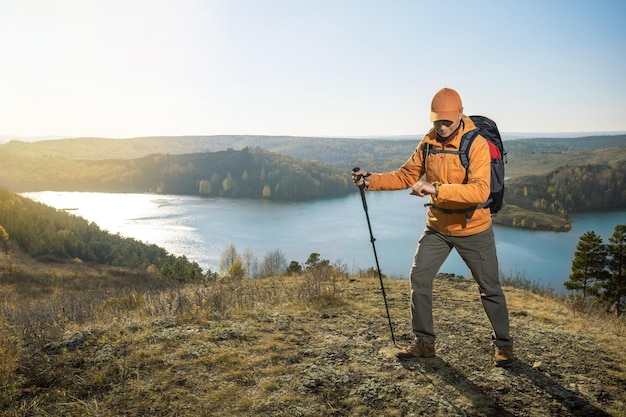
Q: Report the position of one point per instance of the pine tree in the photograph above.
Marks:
(588, 266)
(294, 268)
(615, 284)
(313, 261)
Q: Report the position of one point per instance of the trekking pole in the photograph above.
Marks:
(372, 239)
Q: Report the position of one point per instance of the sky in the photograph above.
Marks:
(342, 68)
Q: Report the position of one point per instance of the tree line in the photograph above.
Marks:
(249, 173)
(599, 269)
(245, 265)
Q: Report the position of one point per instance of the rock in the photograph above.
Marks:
(73, 342)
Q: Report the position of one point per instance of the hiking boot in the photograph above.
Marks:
(417, 349)
(504, 356)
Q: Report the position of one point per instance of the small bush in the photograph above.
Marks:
(519, 280)
(320, 289)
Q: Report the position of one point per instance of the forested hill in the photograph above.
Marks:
(235, 174)
(540, 155)
(330, 150)
(49, 234)
(558, 145)
(545, 201)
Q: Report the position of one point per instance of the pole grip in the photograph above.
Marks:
(362, 186)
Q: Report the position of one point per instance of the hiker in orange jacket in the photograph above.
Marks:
(455, 220)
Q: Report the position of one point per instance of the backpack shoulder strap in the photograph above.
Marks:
(466, 141)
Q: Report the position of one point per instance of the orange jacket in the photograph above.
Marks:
(454, 192)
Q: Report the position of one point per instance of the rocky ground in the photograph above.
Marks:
(561, 369)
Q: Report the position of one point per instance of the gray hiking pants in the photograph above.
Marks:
(479, 254)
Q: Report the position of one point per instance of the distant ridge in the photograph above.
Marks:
(505, 135)
(8, 138)
(562, 135)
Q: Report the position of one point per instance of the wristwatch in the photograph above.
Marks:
(436, 184)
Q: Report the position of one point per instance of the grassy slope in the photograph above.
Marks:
(81, 340)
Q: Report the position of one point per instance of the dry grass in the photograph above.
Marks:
(77, 340)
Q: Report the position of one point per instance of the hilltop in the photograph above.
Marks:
(80, 339)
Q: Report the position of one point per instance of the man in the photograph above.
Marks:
(455, 219)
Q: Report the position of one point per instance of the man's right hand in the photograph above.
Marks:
(360, 178)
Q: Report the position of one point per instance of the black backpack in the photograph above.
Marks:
(488, 129)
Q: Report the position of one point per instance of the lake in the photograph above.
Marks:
(200, 228)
